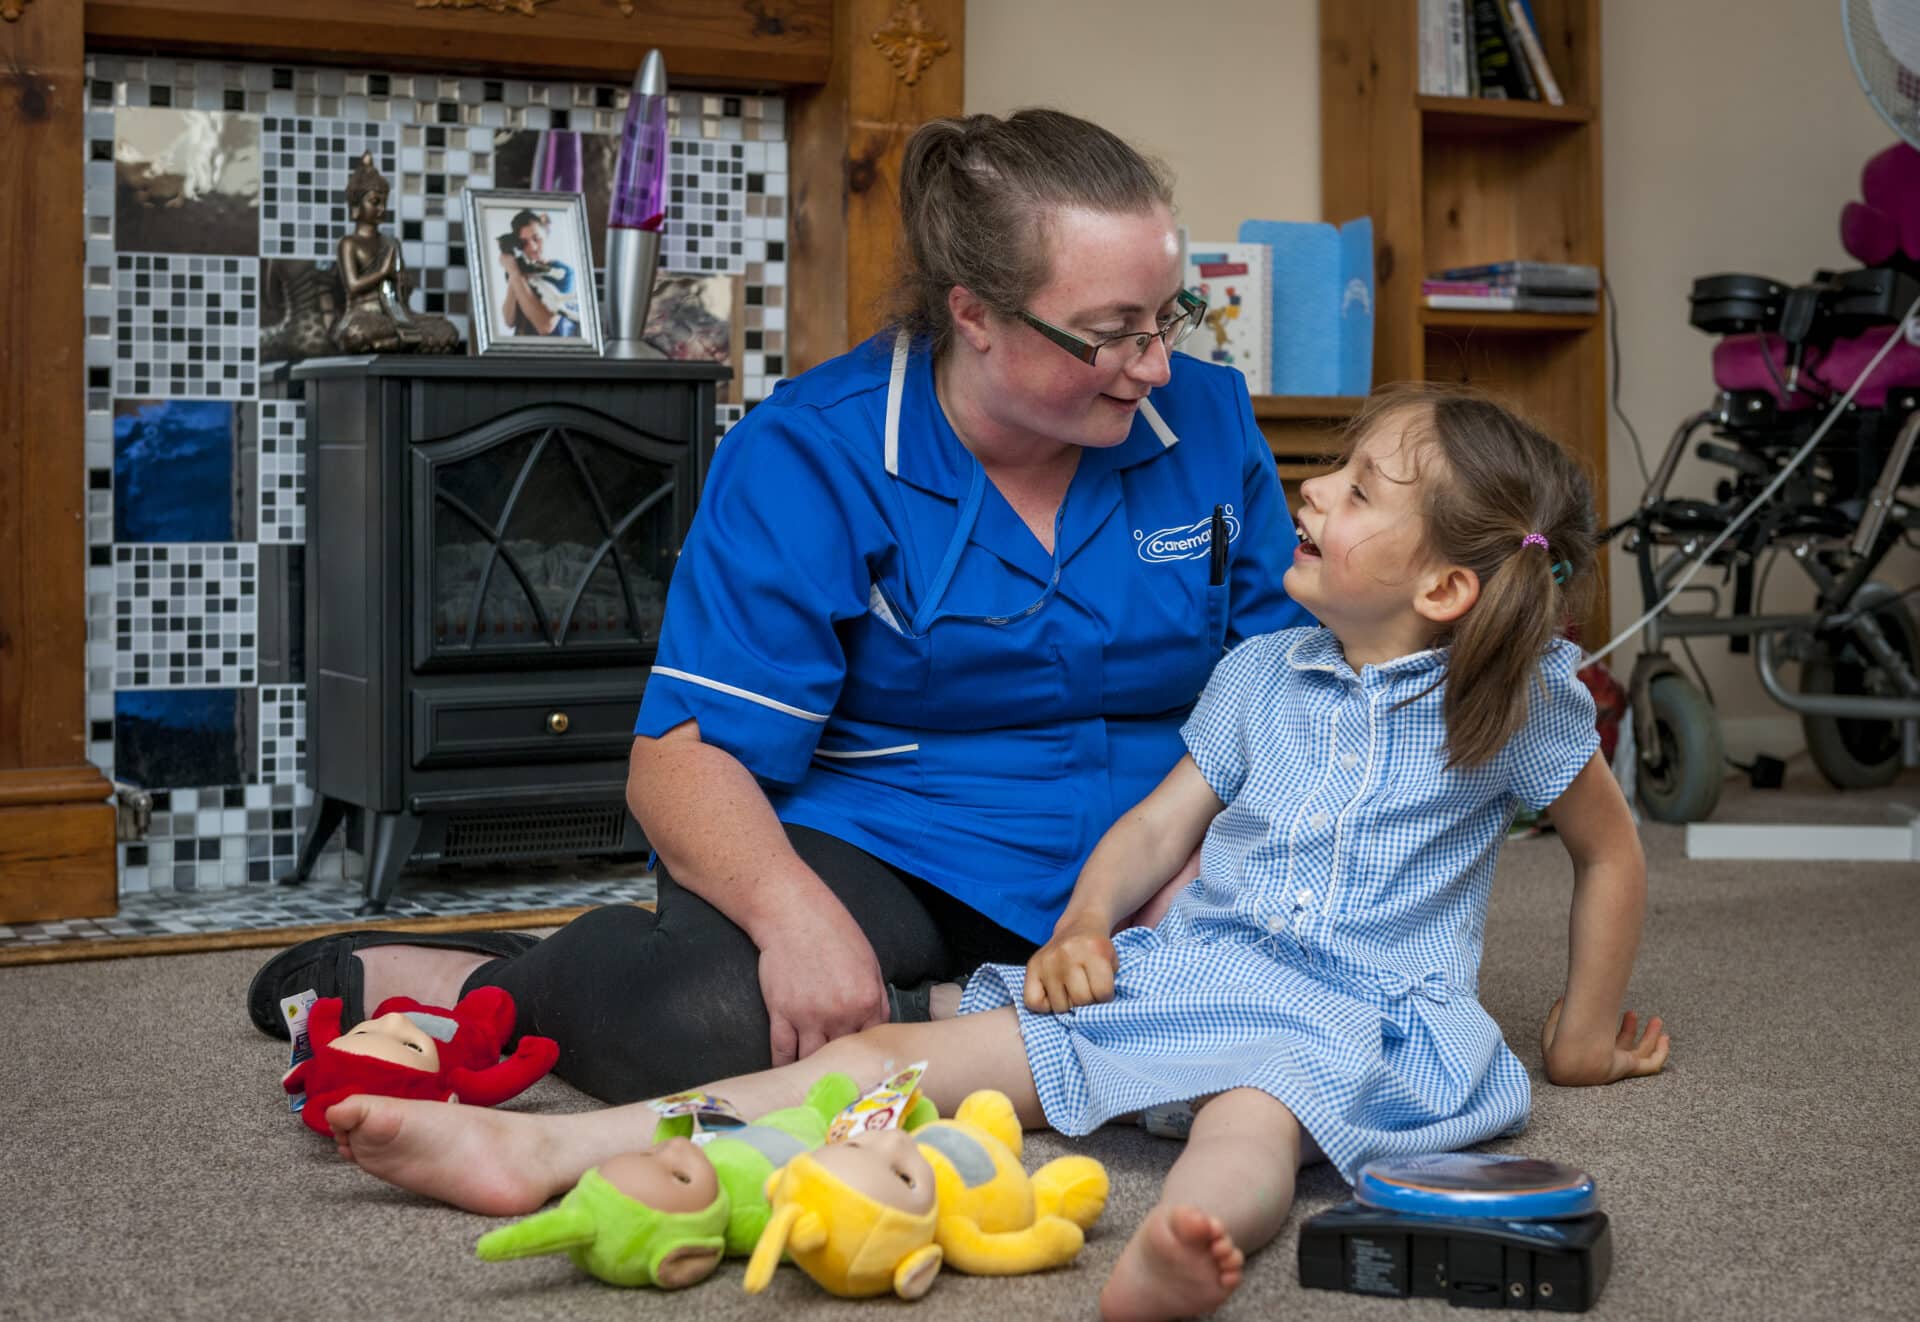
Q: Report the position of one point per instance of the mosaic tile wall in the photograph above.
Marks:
(214, 200)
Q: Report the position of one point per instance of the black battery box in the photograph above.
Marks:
(1470, 1262)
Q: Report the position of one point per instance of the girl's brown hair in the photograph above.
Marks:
(1499, 480)
(977, 195)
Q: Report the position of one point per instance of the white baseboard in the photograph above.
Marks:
(1750, 840)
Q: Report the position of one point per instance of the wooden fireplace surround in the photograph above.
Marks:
(859, 74)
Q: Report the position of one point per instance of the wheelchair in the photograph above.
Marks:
(1786, 356)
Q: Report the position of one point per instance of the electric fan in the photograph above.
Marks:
(1883, 41)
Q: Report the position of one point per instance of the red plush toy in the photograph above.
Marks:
(412, 1050)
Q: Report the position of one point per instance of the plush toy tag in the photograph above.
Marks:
(712, 1116)
(885, 1107)
(294, 1010)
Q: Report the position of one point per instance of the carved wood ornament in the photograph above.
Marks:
(12, 9)
(527, 7)
(909, 43)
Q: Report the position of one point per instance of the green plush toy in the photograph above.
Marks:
(665, 1216)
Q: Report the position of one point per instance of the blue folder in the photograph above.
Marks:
(1320, 309)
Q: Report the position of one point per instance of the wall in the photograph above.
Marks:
(1227, 93)
(1737, 160)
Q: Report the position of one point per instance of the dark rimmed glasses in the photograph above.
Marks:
(1170, 332)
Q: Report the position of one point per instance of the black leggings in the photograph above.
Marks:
(646, 1003)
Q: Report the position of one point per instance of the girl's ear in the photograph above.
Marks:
(1446, 593)
(970, 318)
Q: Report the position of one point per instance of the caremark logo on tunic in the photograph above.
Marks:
(1187, 541)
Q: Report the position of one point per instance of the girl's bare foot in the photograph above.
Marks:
(1179, 1263)
(499, 1163)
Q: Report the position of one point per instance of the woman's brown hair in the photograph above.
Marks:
(1499, 480)
(977, 194)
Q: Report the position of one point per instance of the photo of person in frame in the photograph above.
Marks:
(541, 295)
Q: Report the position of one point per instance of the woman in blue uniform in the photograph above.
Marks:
(944, 607)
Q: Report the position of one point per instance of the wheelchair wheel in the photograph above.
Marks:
(1857, 754)
(1691, 756)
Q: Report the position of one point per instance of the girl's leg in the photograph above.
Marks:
(1227, 1195)
(506, 1163)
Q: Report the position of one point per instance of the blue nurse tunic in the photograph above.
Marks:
(864, 622)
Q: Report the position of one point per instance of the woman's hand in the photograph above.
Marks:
(1074, 968)
(820, 980)
(1630, 1055)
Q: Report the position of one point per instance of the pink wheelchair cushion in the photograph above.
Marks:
(1737, 365)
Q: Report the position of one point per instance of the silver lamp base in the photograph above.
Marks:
(634, 350)
(632, 257)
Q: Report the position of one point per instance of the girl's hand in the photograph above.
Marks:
(1074, 968)
(1631, 1054)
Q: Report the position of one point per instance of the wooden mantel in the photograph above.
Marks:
(758, 43)
(861, 74)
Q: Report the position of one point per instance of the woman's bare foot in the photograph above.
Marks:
(499, 1163)
(1179, 1263)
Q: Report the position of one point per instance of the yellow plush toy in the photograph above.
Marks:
(881, 1211)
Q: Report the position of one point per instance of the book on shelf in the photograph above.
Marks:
(1458, 83)
(1235, 280)
(1319, 305)
(1489, 48)
(1520, 19)
(1496, 52)
(1571, 275)
(1512, 301)
(1443, 48)
(1433, 49)
(1502, 288)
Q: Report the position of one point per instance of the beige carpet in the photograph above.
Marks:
(152, 1170)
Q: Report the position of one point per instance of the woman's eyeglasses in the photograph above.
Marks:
(1128, 345)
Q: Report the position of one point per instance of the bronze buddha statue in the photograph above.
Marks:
(373, 284)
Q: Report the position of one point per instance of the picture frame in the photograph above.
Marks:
(530, 273)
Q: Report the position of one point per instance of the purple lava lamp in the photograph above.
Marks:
(638, 211)
(557, 164)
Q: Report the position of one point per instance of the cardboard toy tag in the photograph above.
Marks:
(712, 1116)
(885, 1107)
(294, 1010)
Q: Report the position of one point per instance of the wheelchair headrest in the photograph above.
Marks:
(1885, 224)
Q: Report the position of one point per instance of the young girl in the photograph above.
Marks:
(1316, 984)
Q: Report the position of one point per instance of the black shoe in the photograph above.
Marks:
(326, 965)
(911, 1005)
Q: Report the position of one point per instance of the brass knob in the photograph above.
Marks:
(558, 722)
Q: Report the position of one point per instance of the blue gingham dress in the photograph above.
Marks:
(1329, 952)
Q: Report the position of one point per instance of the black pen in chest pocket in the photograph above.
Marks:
(1217, 548)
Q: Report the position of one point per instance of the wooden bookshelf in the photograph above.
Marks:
(1457, 181)
(1304, 431)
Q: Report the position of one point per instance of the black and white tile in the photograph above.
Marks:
(308, 162)
(283, 471)
(188, 326)
(184, 616)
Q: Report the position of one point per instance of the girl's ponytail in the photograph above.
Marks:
(1516, 509)
(1495, 650)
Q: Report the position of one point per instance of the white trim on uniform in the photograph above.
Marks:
(1159, 424)
(894, 382)
(866, 752)
(731, 691)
